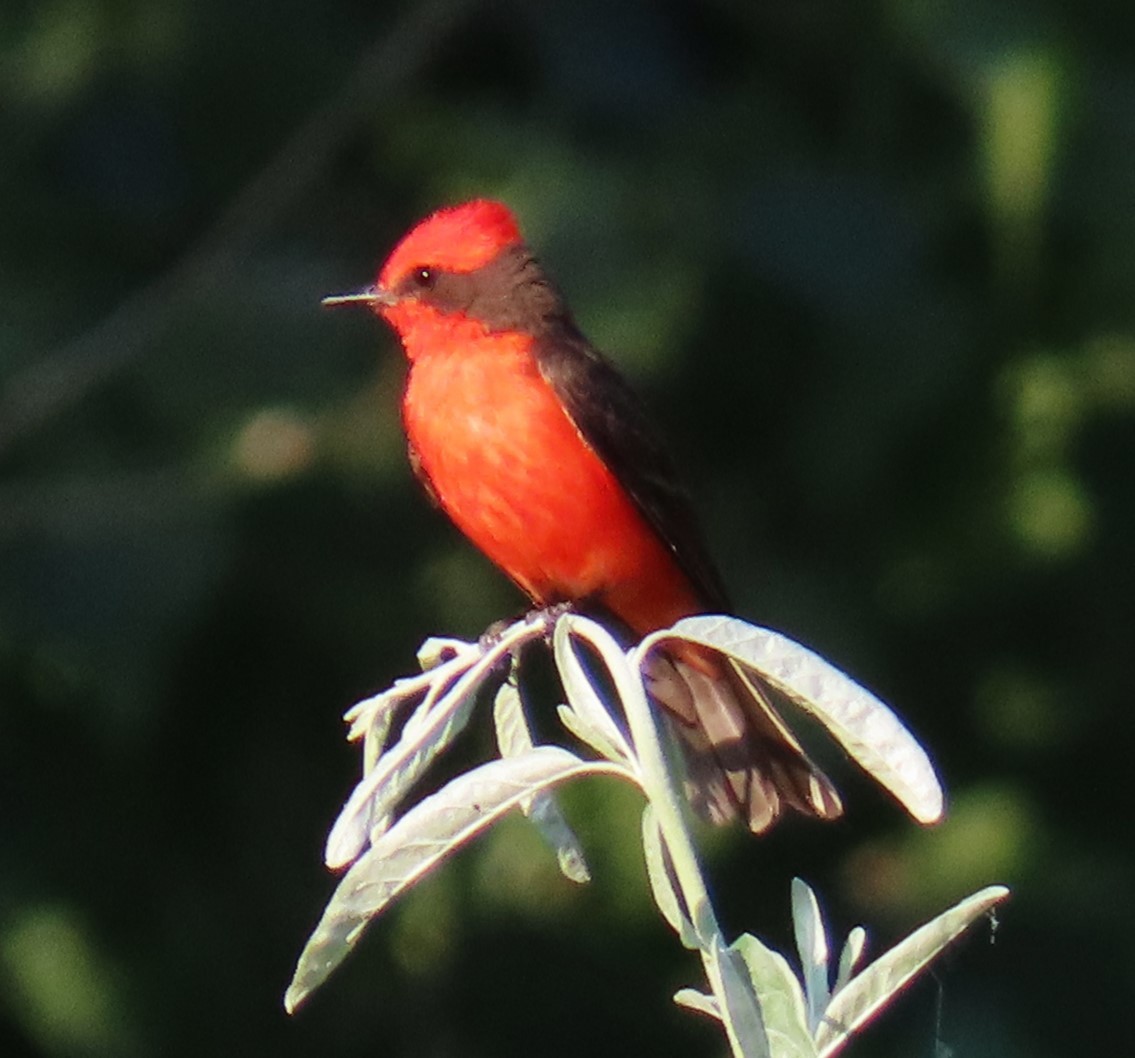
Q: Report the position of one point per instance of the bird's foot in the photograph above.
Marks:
(549, 615)
(544, 616)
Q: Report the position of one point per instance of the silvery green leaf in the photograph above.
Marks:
(513, 733)
(865, 995)
(662, 882)
(437, 720)
(740, 1009)
(437, 649)
(372, 717)
(376, 739)
(587, 734)
(515, 737)
(446, 693)
(379, 826)
(419, 841)
(812, 944)
(432, 727)
(699, 1002)
(782, 1001)
(866, 728)
(377, 710)
(581, 695)
(850, 957)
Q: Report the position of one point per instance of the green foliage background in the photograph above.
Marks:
(872, 265)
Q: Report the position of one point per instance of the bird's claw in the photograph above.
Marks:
(545, 616)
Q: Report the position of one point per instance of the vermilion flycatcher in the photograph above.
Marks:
(540, 452)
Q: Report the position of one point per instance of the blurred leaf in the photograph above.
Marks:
(62, 987)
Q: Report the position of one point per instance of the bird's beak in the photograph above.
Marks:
(375, 296)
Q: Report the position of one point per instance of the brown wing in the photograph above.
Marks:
(612, 420)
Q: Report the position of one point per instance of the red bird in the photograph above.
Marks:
(542, 455)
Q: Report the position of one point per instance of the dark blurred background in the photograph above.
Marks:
(872, 266)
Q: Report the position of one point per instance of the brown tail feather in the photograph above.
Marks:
(743, 760)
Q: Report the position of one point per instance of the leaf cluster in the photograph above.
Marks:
(764, 1008)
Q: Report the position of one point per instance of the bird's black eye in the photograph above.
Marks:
(423, 278)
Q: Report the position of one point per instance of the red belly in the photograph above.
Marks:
(514, 474)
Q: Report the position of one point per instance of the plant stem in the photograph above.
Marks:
(656, 776)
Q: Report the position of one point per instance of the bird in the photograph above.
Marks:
(545, 458)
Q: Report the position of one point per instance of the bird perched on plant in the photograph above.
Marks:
(540, 452)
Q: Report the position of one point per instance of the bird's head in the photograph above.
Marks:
(464, 267)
